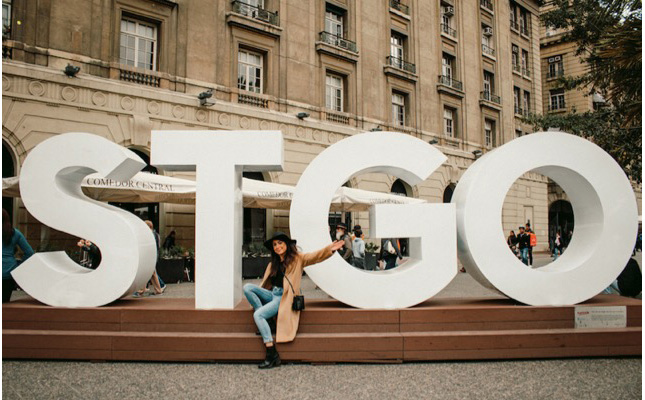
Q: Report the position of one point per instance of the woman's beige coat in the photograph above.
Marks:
(287, 318)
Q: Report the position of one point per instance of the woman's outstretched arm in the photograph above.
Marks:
(322, 254)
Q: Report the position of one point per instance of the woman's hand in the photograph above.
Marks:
(337, 245)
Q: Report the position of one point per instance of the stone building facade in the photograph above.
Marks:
(457, 74)
(558, 59)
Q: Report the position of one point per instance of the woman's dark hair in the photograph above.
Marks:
(7, 227)
(292, 251)
(358, 233)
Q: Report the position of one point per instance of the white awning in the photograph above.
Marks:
(150, 188)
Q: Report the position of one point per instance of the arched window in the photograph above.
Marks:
(8, 170)
(401, 188)
(447, 193)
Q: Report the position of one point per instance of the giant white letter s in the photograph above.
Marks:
(50, 186)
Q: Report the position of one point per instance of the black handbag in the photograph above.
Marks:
(298, 299)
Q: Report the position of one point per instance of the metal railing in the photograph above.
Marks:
(401, 64)
(515, 25)
(556, 74)
(488, 50)
(488, 96)
(487, 4)
(7, 52)
(526, 72)
(338, 41)
(396, 4)
(448, 30)
(518, 110)
(449, 81)
(254, 12)
(252, 100)
(517, 68)
(524, 30)
(557, 105)
(337, 118)
(139, 77)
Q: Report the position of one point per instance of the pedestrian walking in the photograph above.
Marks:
(358, 247)
(390, 250)
(511, 241)
(280, 284)
(158, 285)
(346, 251)
(524, 243)
(557, 246)
(532, 242)
(12, 239)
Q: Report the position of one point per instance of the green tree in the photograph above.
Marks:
(607, 34)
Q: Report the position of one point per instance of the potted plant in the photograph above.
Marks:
(170, 266)
(371, 256)
(255, 259)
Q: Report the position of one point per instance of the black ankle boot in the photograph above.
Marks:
(272, 359)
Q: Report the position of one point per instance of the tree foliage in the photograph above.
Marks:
(607, 34)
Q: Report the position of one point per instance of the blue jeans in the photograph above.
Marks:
(265, 303)
(524, 253)
(556, 253)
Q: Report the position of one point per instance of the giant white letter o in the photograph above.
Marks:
(603, 203)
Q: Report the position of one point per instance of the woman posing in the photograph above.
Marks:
(275, 294)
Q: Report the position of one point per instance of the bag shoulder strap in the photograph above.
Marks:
(292, 289)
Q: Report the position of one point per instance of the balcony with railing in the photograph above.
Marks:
(554, 75)
(400, 7)
(514, 25)
(448, 30)
(450, 82)
(141, 78)
(7, 52)
(518, 110)
(338, 41)
(489, 51)
(557, 105)
(486, 4)
(252, 100)
(490, 100)
(255, 18)
(526, 72)
(517, 68)
(337, 46)
(336, 118)
(400, 68)
(255, 12)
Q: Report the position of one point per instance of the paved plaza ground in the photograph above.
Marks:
(591, 378)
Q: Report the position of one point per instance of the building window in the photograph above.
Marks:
(515, 58)
(447, 65)
(516, 100)
(489, 83)
(487, 42)
(556, 67)
(396, 45)
(334, 21)
(6, 19)
(398, 109)
(518, 133)
(249, 71)
(556, 99)
(334, 92)
(513, 17)
(526, 102)
(524, 22)
(447, 13)
(449, 122)
(525, 62)
(489, 133)
(138, 44)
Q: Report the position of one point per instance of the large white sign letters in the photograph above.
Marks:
(604, 205)
(218, 159)
(51, 179)
(431, 226)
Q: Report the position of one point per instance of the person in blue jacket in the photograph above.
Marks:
(11, 239)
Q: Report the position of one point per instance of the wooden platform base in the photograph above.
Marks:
(164, 329)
